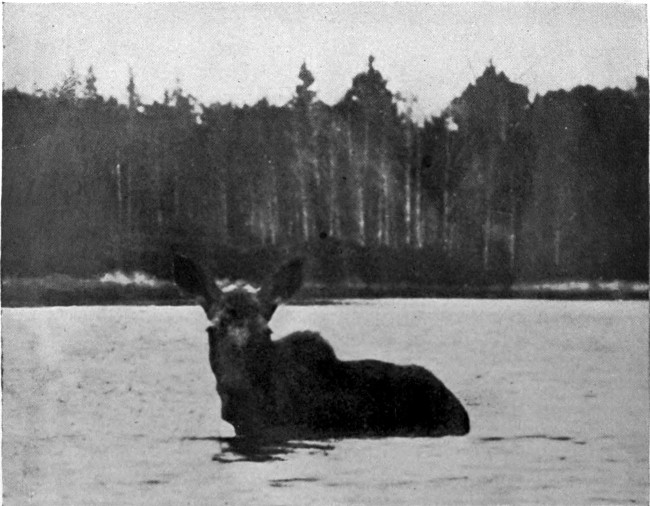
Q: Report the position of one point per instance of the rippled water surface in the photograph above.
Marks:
(116, 405)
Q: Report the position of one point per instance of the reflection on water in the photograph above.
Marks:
(240, 449)
(532, 436)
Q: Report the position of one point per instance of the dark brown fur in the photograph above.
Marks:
(296, 386)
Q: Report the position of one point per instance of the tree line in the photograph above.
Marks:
(494, 189)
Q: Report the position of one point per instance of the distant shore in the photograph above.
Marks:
(58, 290)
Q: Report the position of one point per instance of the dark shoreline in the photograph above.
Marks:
(64, 291)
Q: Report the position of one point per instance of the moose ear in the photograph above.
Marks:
(282, 285)
(190, 278)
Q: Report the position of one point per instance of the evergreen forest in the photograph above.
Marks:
(496, 189)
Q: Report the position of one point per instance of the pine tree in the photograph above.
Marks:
(374, 122)
(90, 91)
(490, 115)
(306, 162)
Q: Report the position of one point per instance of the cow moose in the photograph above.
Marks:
(296, 387)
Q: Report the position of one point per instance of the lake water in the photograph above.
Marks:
(116, 405)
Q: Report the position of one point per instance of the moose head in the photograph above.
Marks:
(295, 386)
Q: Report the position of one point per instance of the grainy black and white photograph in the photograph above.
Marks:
(325, 253)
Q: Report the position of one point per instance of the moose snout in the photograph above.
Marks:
(232, 406)
(237, 409)
(227, 407)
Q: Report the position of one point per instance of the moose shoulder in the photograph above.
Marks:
(295, 386)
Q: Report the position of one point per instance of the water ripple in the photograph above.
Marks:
(491, 439)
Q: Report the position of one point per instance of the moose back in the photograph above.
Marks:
(296, 387)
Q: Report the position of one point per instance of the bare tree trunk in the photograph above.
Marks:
(487, 225)
(258, 213)
(512, 242)
(316, 195)
(358, 182)
(559, 226)
(305, 209)
(118, 174)
(177, 199)
(445, 195)
(273, 204)
(118, 228)
(304, 198)
(300, 171)
(557, 239)
(387, 213)
(407, 206)
(252, 220)
(129, 198)
(407, 187)
(157, 195)
(360, 211)
(384, 209)
(419, 221)
(221, 190)
(365, 171)
(334, 219)
(381, 203)
(222, 202)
